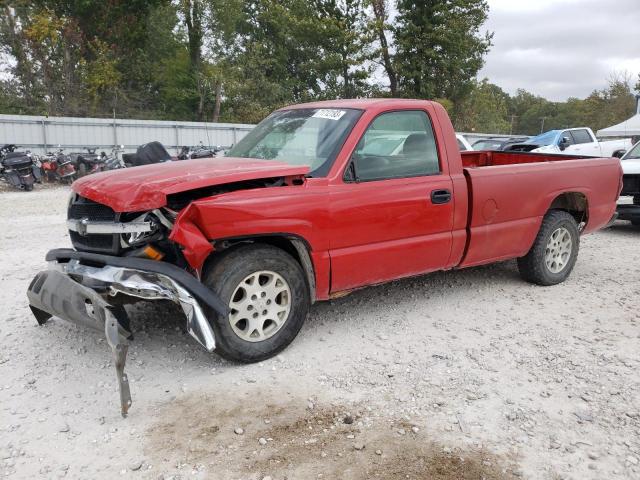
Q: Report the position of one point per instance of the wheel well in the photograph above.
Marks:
(293, 245)
(573, 202)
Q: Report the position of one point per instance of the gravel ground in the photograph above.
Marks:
(460, 375)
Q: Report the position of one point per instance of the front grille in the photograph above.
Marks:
(84, 208)
(80, 208)
(92, 243)
(630, 184)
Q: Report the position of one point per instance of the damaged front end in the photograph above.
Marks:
(90, 289)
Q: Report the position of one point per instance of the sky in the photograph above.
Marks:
(561, 48)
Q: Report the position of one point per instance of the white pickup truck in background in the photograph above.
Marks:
(573, 141)
(630, 186)
(463, 143)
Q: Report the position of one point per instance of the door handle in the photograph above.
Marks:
(440, 196)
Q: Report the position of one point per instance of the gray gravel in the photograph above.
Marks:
(547, 377)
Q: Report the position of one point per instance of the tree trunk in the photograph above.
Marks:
(202, 93)
(193, 19)
(216, 108)
(346, 90)
(380, 13)
(192, 10)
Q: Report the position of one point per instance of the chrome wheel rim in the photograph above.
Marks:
(558, 250)
(260, 306)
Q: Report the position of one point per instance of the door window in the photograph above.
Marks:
(569, 138)
(581, 136)
(396, 145)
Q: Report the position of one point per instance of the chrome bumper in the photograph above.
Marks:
(83, 289)
(85, 227)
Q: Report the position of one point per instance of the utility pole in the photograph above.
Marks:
(542, 124)
(513, 117)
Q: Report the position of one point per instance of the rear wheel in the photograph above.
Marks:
(554, 252)
(267, 295)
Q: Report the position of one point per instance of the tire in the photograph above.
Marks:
(229, 274)
(540, 267)
(28, 187)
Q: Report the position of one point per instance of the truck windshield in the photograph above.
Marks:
(634, 153)
(305, 136)
(547, 138)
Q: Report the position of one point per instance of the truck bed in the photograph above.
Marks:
(509, 193)
(494, 158)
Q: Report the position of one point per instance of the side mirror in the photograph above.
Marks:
(564, 141)
(619, 153)
(350, 175)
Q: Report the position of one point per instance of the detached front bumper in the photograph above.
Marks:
(88, 289)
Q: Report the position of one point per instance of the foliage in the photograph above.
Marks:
(237, 60)
(439, 47)
(600, 109)
(485, 109)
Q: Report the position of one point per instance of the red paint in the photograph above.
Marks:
(365, 233)
(146, 187)
(196, 247)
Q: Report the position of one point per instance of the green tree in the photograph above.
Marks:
(439, 47)
(484, 110)
(380, 27)
(292, 51)
(525, 113)
(344, 40)
(81, 57)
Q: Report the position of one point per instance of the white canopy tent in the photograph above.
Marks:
(628, 128)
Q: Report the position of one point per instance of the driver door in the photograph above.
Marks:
(392, 216)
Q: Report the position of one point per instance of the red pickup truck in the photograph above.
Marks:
(319, 199)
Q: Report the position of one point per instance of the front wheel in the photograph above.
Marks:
(267, 295)
(554, 251)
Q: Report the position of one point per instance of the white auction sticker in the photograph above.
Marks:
(329, 114)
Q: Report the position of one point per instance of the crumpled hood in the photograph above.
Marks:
(146, 187)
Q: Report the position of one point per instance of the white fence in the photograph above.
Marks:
(40, 134)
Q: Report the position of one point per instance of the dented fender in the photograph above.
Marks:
(186, 233)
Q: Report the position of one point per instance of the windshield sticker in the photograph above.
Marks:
(329, 114)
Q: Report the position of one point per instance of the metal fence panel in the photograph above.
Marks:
(40, 134)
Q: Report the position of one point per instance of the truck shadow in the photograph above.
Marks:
(160, 324)
(625, 229)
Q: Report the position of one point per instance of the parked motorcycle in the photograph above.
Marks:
(152, 152)
(91, 162)
(201, 151)
(87, 162)
(57, 166)
(113, 161)
(18, 169)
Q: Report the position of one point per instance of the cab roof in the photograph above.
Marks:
(362, 103)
